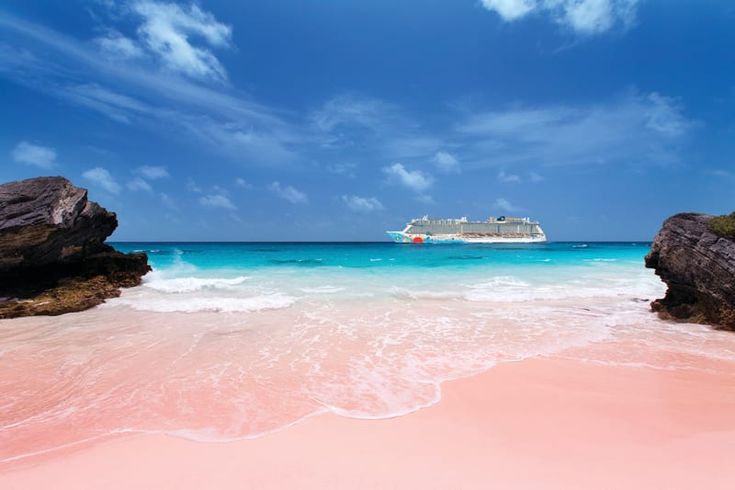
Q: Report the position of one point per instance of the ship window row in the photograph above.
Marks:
(479, 228)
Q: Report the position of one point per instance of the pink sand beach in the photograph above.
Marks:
(557, 422)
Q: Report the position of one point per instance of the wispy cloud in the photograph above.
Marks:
(503, 204)
(633, 127)
(100, 177)
(647, 129)
(345, 168)
(152, 172)
(242, 183)
(362, 204)
(116, 106)
(349, 110)
(290, 194)
(138, 184)
(534, 177)
(415, 180)
(129, 91)
(511, 178)
(357, 123)
(36, 155)
(511, 9)
(722, 174)
(506, 178)
(116, 46)
(167, 30)
(582, 16)
(446, 162)
(220, 201)
(168, 201)
(145, 174)
(192, 186)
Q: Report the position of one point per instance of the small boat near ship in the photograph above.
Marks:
(503, 229)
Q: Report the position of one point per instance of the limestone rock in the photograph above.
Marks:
(53, 258)
(698, 267)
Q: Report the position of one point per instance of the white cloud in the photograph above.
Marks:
(168, 30)
(168, 201)
(116, 46)
(425, 199)
(356, 123)
(102, 178)
(233, 124)
(508, 178)
(719, 173)
(346, 169)
(152, 172)
(362, 204)
(415, 180)
(350, 110)
(633, 129)
(289, 193)
(217, 201)
(242, 183)
(30, 154)
(582, 16)
(535, 177)
(510, 9)
(138, 184)
(116, 106)
(664, 115)
(505, 205)
(446, 162)
(192, 186)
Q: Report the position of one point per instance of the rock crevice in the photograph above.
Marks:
(698, 267)
(53, 258)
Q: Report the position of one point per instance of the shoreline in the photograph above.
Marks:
(628, 427)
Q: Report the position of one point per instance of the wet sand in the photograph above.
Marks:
(556, 422)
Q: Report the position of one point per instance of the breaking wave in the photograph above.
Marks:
(190, 284)
(170, 304)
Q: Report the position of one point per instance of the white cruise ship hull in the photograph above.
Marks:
(401, 237)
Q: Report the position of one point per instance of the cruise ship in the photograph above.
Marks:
(503, 229)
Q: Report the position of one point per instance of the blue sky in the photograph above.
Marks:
(337, 120)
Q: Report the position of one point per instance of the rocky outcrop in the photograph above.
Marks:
(698, 267)
(53, 258)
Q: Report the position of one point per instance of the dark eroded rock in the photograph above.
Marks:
(699, 269)
(53, 258)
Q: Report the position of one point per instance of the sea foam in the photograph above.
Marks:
(191, 304)
(190, 284)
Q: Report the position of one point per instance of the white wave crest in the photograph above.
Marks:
(322, 290)
(402, 293)
(188, 304)
(500, 281)
(190, 284)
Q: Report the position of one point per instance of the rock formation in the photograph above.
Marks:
(698, 266)
(53, 258)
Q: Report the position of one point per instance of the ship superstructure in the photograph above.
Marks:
(494, 230)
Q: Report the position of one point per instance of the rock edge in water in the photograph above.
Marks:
(53, 258)
(698, 267)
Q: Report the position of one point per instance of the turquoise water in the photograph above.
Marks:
(383, 255)
(247, 277)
